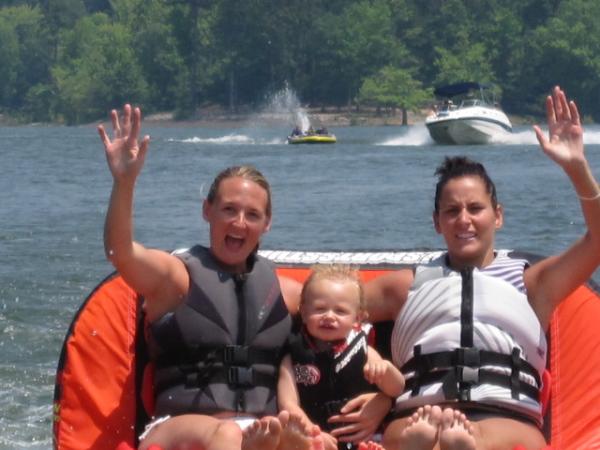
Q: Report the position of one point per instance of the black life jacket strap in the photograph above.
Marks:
(466, 309)
(234, 355)
(237, 377)
(470, 357)
(229, 364)
(452, 380)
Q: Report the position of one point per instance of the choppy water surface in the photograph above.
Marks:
(373, 190)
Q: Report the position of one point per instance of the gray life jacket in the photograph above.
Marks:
(220, 349)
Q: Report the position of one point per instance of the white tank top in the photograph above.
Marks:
(502, 320)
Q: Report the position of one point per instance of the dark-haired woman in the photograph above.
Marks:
(469, 331)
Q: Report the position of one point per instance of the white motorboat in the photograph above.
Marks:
(468, 114)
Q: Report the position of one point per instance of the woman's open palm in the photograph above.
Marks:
(125, 153)
(565, 142)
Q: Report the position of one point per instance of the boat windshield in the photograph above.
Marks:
(471, 102)
(463, 95)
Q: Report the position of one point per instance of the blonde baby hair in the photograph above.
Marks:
(336, 272)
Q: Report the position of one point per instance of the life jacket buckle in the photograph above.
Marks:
(235, 355)
(468, 375)
(240, 376)
(468, 356)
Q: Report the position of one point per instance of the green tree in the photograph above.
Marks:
(9, 56)
(157, 51)
(61, 14)
(193, 22)
(265, 44)
(566, 51)
(355, 44)
(467, 64)
(98, 70)
(93, 6)
(394, 88)
(24, 53)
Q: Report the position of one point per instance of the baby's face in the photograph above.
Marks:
(330, 310)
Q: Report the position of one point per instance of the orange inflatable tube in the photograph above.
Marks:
(96, 403)
(99, 397)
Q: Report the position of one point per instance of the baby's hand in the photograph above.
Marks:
(375, 370)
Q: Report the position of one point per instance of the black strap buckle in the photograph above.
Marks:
(240, 376)
(235, 355)
(468, 375)
(458, 381)
(468, 356)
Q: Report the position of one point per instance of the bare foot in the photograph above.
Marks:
(421, 432)
(297, 436)
(456, 432)
(263, 434)
(370, 446)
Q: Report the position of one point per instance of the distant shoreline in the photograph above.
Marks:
(342, 118)
(328, 117)
(318, 117)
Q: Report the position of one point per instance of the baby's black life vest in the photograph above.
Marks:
(326, 380)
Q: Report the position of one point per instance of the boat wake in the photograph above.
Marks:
(524, 137)
(415, 135)
(230, 139)
(527, 136)
(591, 136)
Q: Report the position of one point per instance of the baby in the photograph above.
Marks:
(330, 361)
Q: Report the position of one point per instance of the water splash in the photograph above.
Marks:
(526, 136)
(285, 103)
(591, 136)
(231, 139)
(417, 135)
(228, 139)
(520, 137)
(413, 135)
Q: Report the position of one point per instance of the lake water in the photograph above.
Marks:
(373, 190)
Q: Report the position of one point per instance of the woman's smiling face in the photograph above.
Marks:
(237, 218)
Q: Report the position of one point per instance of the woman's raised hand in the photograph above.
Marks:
(565, 142)
(125, 153)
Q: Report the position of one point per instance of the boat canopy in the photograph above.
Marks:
(452, 90)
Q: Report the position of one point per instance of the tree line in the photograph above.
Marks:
(70, 61)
